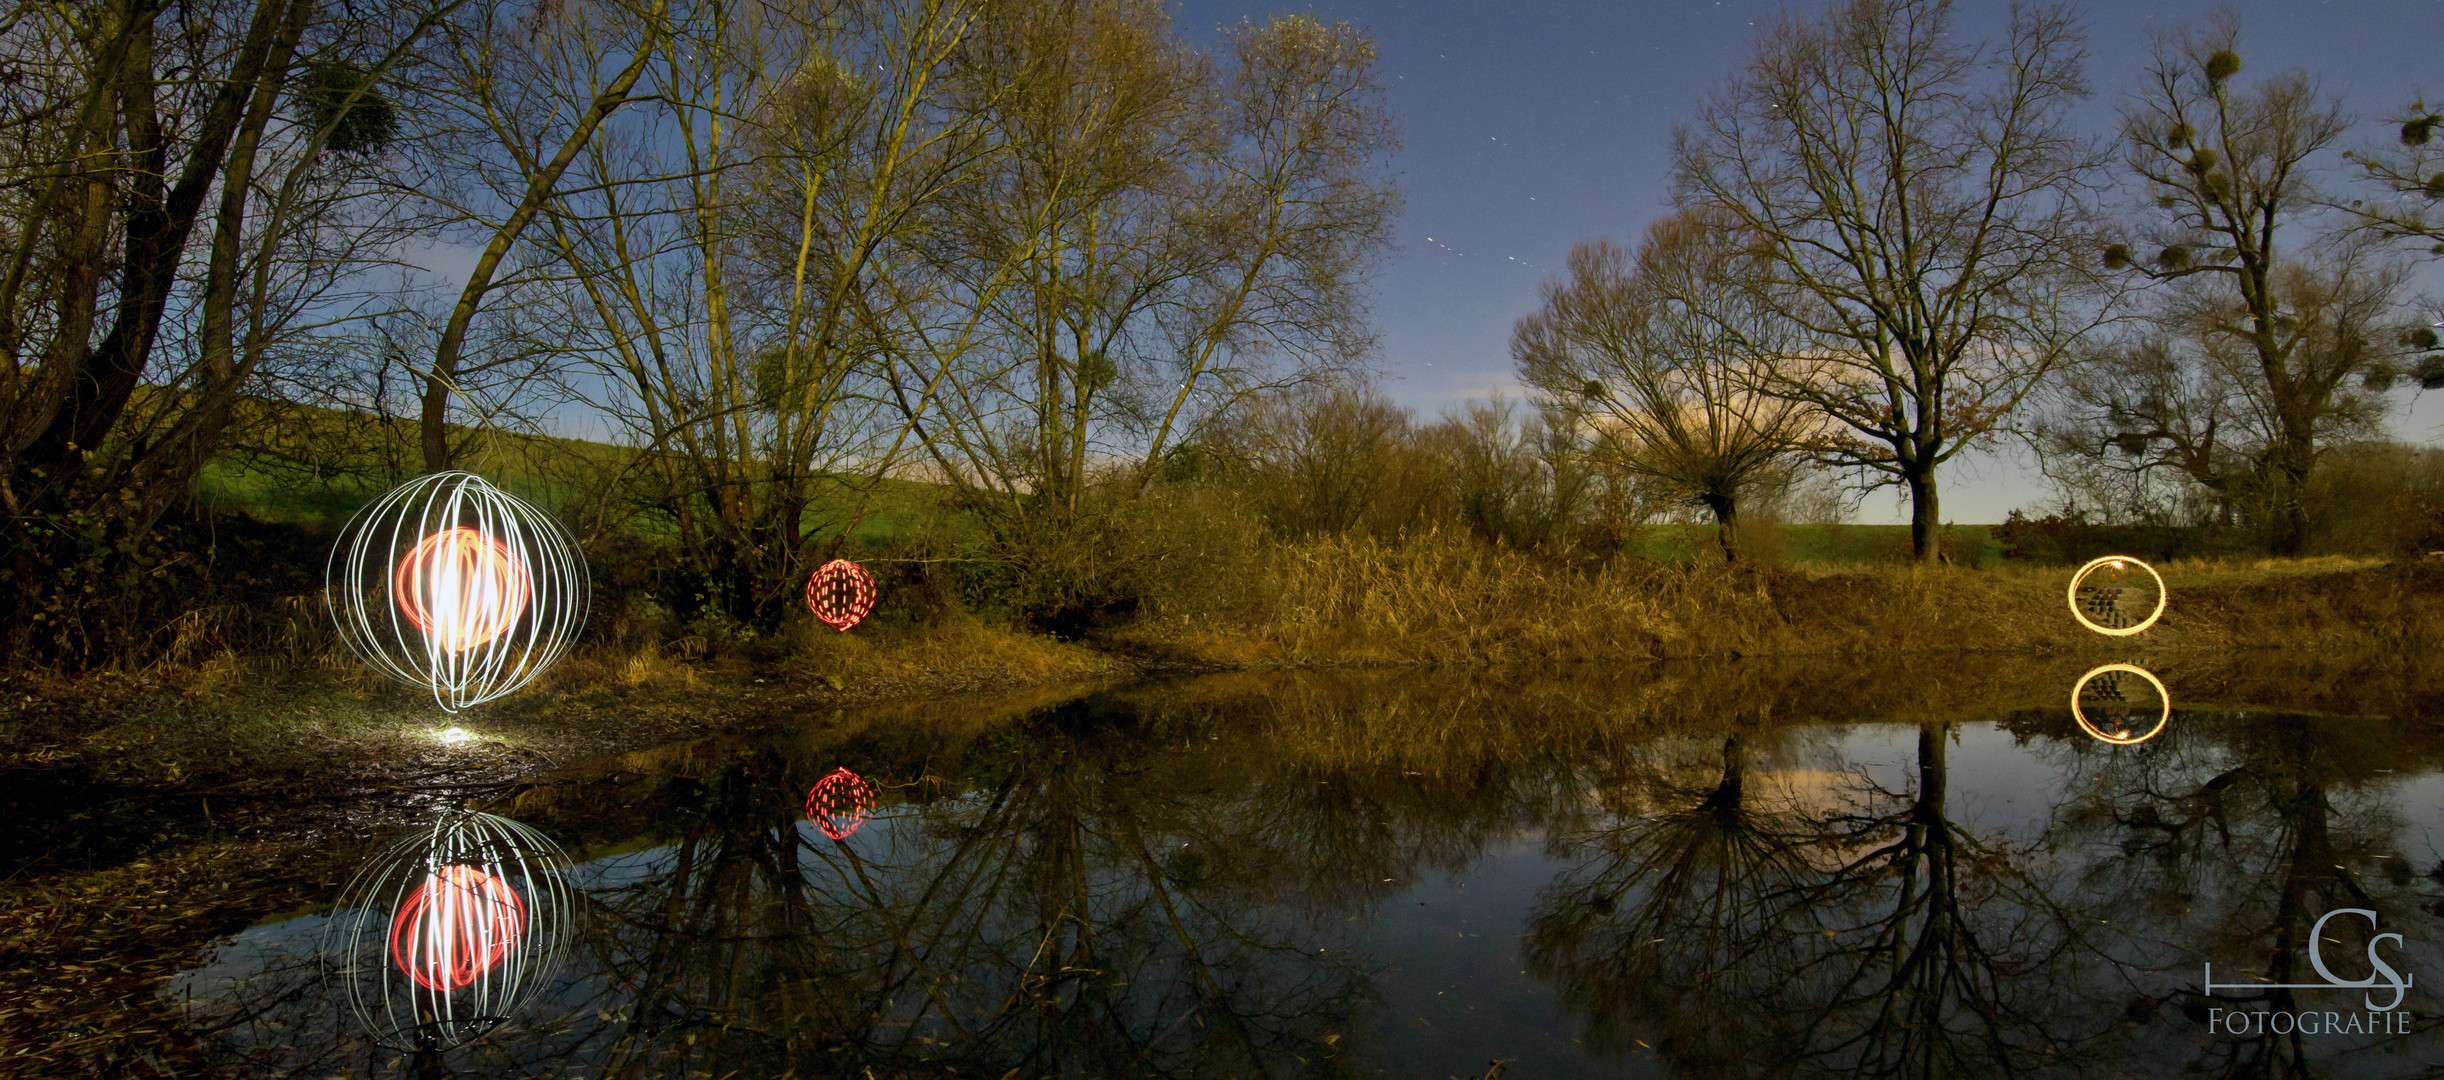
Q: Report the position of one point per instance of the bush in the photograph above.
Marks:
(195, 585)
(2058, 539)
(1184, 549)
(2377, 499)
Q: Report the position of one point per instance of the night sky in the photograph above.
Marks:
(1528, 127)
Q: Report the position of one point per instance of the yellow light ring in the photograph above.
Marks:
(2161, 595)
(2161, 694)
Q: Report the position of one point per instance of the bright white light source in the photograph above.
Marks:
(450, 583)
(455, 735)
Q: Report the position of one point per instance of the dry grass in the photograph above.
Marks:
(1444, 599)
(959, 644)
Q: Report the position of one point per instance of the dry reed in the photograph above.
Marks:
(1444, 599)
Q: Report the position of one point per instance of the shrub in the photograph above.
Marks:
(2061, 538)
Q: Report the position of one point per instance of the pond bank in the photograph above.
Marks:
(153, 811)
(119, 747)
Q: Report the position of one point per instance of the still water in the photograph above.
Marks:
(1726, 871)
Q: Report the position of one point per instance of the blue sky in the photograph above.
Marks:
(1528, 127)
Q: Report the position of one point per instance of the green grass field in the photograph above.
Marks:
(562, 473)
(1818, 545)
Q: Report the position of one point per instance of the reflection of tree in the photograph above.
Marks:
(1952, 951)
(2237, 835)
(1103, 891)
(1030, 925)
(1131, 885)
(1872, 935)
(1675, 896)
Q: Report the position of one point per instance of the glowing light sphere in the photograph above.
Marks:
(462, 588)
(839, 803)
(840, 593)
(2100, 596)
(450, 930)
(455, 928)
(450, 583)
(2116, 712)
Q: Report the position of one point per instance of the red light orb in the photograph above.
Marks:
(840, 593)
(462, 588)
(839, 803)
(459, 924)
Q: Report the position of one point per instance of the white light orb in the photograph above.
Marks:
(450, 583)
(451, 930)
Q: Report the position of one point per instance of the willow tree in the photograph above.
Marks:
(1668, 356)
(1918, 201)
(1162, 229)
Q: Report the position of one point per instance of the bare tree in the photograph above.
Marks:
(1299, 210)
(1159, 229)
(2271, 330)
(1920, 202)
(1069, 247)
(2190, 391)
(1669, 353)
(2412, 174)
(739, 254)
(186, 203)
(534, 87)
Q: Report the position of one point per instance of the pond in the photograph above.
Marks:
(1727, 870)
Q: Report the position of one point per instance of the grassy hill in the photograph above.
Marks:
(357, 456)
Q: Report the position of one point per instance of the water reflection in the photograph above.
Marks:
(2107, 706)
(1730, 875)
(839, 803)
(450, 931)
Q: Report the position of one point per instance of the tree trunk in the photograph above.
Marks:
(1726, 524)
(1925, 519)
(1933, 772)
(2287, 512)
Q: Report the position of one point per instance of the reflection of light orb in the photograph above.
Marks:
(839, 803)
(840, 593)
(456, 927)
(2120, 734)
(461, 587)
(450, 930)
(2110, 616)
(450, 583)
